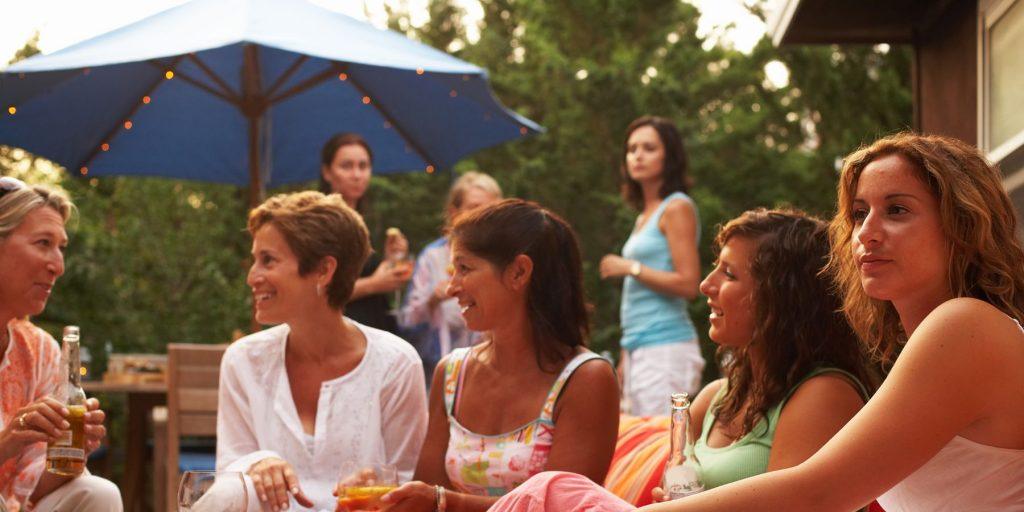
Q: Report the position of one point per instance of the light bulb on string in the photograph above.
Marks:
(366, 100)
(169, 74)
(430, 169)
(12, 110)
(146, 100)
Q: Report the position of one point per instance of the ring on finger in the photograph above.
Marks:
(21, 421)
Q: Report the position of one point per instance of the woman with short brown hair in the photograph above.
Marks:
(300, 399)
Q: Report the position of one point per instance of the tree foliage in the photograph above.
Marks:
(153, 261)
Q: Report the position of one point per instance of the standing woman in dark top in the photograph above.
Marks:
(346, 166)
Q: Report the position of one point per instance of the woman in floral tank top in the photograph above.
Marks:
(530, 397)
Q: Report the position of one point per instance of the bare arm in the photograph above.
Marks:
(815, 412)
(679, 224)
(942, 385)
(587, 422)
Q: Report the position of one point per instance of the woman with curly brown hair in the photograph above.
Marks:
(925, 249)
(793, 367)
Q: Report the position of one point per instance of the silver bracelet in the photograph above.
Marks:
(440, 499)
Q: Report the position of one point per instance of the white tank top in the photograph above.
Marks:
(963, 476)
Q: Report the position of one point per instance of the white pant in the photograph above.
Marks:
(87, 493)
(652, 374)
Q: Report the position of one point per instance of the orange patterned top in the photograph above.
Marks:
(29, 370)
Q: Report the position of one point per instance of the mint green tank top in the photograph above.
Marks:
(748, 456)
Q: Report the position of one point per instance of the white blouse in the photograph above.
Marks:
(377, 413)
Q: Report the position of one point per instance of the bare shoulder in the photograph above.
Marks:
(679, 209)
(594, 375)
(970, 327)
(828, 390)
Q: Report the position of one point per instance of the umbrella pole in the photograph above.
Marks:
(256, 191)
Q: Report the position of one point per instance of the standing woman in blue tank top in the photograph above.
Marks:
(661, 270)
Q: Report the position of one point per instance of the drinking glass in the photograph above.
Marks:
(212, 491)
(361, 485)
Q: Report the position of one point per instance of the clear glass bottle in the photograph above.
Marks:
(682, 471)
(66, 456)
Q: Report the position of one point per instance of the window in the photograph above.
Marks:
(1001, 85)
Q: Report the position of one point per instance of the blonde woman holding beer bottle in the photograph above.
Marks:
(32, 242)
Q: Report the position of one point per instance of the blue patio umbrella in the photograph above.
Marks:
(245, 92)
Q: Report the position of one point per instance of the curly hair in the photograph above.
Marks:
(675, 169)
(986, 259)
(799, 325)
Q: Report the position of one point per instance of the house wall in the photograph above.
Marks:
(946, 74)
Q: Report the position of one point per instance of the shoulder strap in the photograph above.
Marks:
(547, 413)
(775, 412)
(453, 376)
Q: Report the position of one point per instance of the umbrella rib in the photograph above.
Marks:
(301, 87)
(200, 85)
(391, 120)
(213, 76)
(287, 74)
(110, 134)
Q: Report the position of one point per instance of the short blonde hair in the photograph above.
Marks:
(15, 205)
(316, 226)
(986, 260)
(470, 180)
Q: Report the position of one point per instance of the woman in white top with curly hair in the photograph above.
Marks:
(300, 399)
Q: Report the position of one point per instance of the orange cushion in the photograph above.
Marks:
(639, 460)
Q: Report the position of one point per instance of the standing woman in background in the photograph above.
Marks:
(660, 351)
(431, 320)
(346, 166)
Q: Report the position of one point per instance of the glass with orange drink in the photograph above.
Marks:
(362, 485)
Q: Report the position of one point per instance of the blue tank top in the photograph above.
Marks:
(648, 317)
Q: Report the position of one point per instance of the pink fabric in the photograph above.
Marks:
(558, 491)
(29, 370)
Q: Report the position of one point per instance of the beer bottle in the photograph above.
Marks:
(682, 471)
(66, 456)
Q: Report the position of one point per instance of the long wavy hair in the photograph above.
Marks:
(986, 261)
(555, 300)
(797, 317)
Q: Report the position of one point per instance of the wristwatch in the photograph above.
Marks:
(635, 268)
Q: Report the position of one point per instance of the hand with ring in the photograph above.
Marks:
(40, 421)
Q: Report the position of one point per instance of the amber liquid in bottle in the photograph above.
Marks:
(66, 456)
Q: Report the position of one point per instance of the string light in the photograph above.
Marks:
(83, 171)
(146, 100)
(522, 130)
(343, 77)
(105, 147)
(12, 110)
(128, 125)
(453, 93)
(86, 71)
(387, 125)
(366, 100)
(430, 169)
(169, 74)
(419, 71)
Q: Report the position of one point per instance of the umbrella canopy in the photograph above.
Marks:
(245, 92)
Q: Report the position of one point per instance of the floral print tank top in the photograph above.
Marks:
(485, 465)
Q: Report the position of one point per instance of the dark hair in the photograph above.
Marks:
(675, 169)
(331, 147)
(799, 325)
(316, 226)
(555, 301)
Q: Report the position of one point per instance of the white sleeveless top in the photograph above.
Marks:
(963, 476)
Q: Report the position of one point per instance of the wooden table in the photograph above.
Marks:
(142, 398)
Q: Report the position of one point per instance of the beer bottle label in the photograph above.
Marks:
(65, 452)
